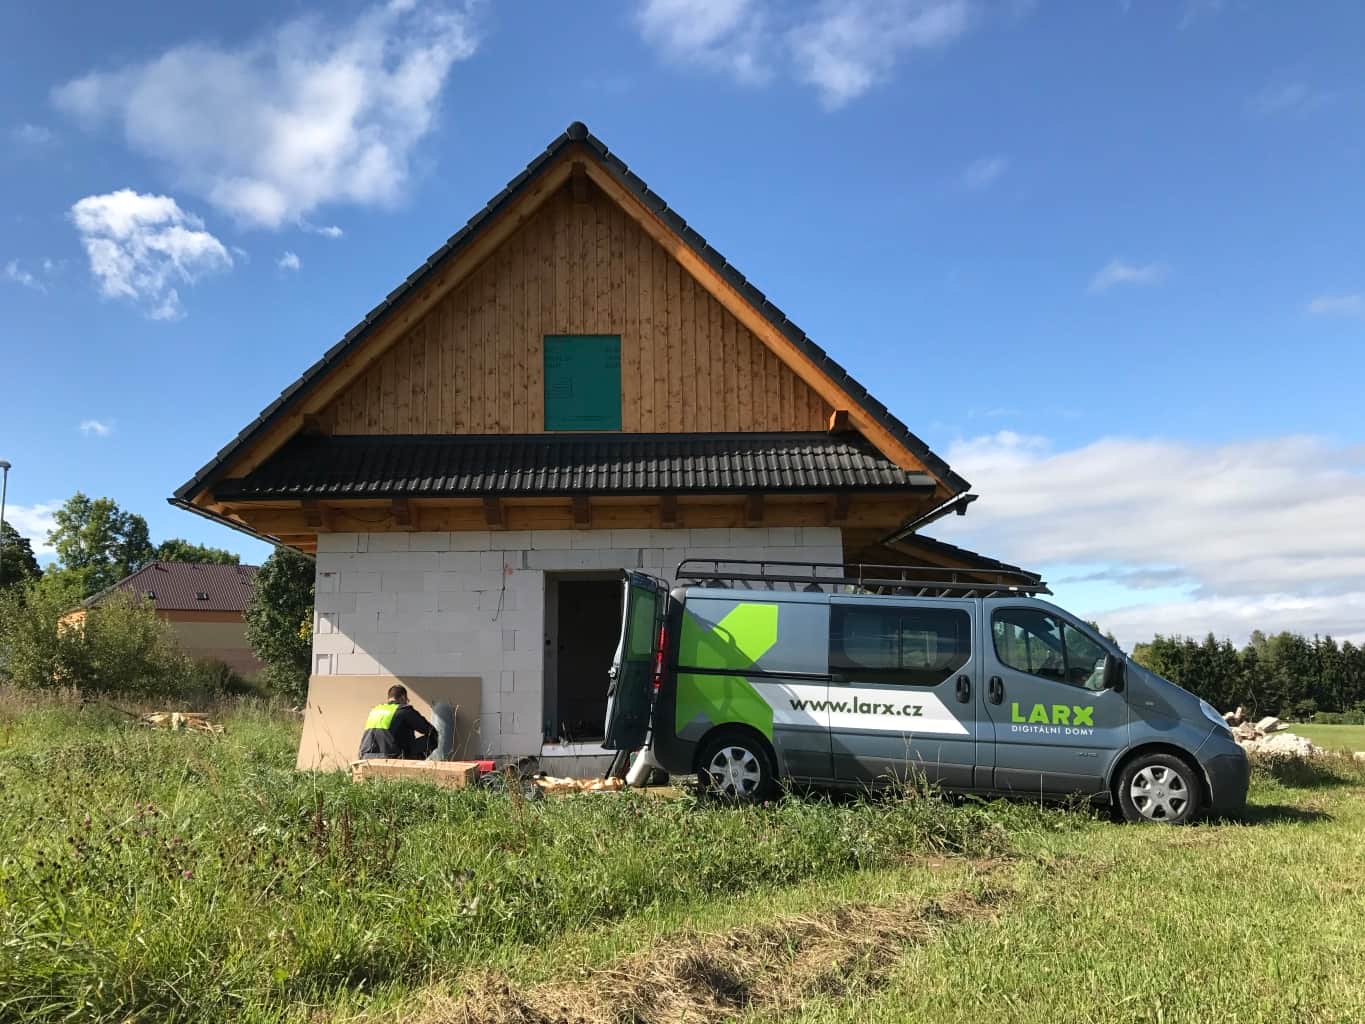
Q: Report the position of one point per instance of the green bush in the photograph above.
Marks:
(120, 647)
(1355, 716)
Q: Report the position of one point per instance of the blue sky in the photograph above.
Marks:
(1105, 257)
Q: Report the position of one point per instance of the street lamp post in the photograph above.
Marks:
(4, 490)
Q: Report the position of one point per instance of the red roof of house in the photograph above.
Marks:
(182, 586)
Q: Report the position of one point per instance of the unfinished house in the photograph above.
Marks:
(576, 383)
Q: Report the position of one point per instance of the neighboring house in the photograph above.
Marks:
(575, 384)
(204, 604)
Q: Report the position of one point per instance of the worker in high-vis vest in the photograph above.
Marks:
(397, 729)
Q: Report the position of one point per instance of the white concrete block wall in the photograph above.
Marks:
(473, 603)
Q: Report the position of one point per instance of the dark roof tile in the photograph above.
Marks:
(560, 464)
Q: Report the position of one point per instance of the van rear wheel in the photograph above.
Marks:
(1160, 788)
(735, 768)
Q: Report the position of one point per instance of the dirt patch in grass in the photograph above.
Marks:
(704, 978)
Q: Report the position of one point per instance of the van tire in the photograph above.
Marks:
(735, 767)
(1159, 788)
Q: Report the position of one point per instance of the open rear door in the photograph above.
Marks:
(630, 692)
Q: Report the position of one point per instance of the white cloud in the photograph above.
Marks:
(1117, 272)
(289, 261)
(141, 246)
(851, 45)
(1338, 305)
(14, 272)
(312, 113)
(721, 35)
(31, 134)
(325, 230)
(841, 47)
(1286, 98)
(34, 522)
(96, 428)
(982, 173)
(1260, 534)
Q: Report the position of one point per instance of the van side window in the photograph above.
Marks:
(909, 646)
(1032, 641)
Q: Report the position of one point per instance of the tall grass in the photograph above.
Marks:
(147, 875)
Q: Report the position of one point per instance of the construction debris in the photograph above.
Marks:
(1267, 736)
(175, 720)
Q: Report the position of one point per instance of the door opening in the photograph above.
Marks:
(587, 626)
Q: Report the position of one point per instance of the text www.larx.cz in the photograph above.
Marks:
(859, 707)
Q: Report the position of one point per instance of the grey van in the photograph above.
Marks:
(751, 673)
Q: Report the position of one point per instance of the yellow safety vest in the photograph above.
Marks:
(381, 716)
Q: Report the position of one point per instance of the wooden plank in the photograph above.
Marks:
(838, 421)
(676, 369)
(493, 514)
(738, 341)
(417, 348)
(630, 325)
(601, 320)
(402, 356)
(535, 381)
(645, 251)
(723, 414)
(480, 313)
(582, 512)
(578, 182)
(582, 280)
(523, 288)
(402, 512)
(661, 354)
(447, 774)
(668, 510)
(563, 248)
(503, 340)
(753, 510)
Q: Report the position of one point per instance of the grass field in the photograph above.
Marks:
(1333, 737)
(147, 876)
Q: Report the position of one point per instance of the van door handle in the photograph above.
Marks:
(964, 689)
(996, 693)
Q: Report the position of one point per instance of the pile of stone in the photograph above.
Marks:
(1267, 736)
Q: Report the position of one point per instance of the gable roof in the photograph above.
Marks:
(577, 134)
(177, 586)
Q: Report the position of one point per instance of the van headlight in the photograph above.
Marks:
(1211, 713)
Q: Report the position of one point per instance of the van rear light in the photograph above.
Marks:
(659, 658)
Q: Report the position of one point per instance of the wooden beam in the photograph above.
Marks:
(403, 515)
(578, 179)
(838, 422)
(316, 516)
(668, 510)
(753, 510)
(582, 512)
(493, 514)
(838, 508)
(313, 426)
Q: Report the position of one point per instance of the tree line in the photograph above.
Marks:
(1292, 676)
(96, 544)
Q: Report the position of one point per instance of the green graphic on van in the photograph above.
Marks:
(1054, 714)
(746, 633)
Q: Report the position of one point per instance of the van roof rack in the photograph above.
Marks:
(861, 577)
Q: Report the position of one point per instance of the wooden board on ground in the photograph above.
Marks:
(451, 774)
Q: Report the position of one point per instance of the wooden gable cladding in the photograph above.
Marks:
(473, 363)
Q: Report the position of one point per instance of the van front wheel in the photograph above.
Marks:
(1161, 788)
(734, 768)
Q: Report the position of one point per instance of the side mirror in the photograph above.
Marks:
(1113, 673)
